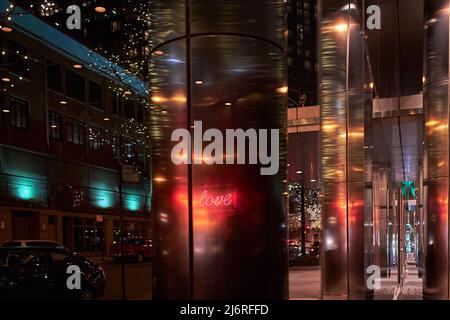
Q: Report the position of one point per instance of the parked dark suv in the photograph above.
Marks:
(42, 273)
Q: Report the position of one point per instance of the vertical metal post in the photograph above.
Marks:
(343, 114)
(399, 236)
(436, 160)
(303, 222)
(122, 261)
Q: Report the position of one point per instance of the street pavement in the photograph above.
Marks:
(412, 286)
(304, 282)
(138, 281)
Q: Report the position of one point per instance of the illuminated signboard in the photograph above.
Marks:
(217, 198)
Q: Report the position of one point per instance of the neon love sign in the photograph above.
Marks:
(217, 199)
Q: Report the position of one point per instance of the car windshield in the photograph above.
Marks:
(12, 259)
(11, 244)
(41, 244)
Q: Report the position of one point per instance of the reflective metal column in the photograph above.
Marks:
(436, 171)
(221, 62)
(342, 92)
(380, 221)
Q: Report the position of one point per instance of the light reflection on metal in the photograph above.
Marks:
(436, 170)
(228, 74)
(344, 106)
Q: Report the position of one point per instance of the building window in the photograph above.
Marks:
(53, 76)
(115, 105)
(56, 125)
(18, 59)
(75, 86)
(308, 65)
(129, 109)
(128, 149)
(3, 109)
(140, 113)
(88, 235)
(95, 136)
(75, 131)
(19, 113)
(95, 95)
(115, 26)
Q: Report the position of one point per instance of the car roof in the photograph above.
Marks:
(25, 243)
(37, 248)
(51, 241)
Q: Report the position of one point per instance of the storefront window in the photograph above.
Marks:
(132, 230)
(89, 236)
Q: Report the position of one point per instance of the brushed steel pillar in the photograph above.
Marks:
(343, 105)
(221, 62)
(436, 170)
(380, 222)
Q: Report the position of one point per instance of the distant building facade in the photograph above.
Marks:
(59, 176)
(302, 43)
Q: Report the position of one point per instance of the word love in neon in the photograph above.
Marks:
(215, 200)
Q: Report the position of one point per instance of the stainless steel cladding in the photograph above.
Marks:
(223, 63)
(436, 175)
(343, 90)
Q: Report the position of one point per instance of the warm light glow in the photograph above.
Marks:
(179, 99)
(341, 27)
(63, 102)
(106, 119)
(371, 85)
(77, 66)
(159, 52)
(127, 92)
(329, 127)
(7, 29)
(158, 99)
(181, 156)
(441, 127)
(283, 90)
(424, 79)
(299, 172)
(100, 9)
(431, 123)
(199, 82)
(356, 134)
(159, 179)
(228, 104)
(6, 79)
(5, 110)
(54, 126)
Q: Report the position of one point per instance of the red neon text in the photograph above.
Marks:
(216, 200)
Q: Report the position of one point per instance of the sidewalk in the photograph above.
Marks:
(304, 283)
(97, 259)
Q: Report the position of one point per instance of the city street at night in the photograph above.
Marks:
(207, 153)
